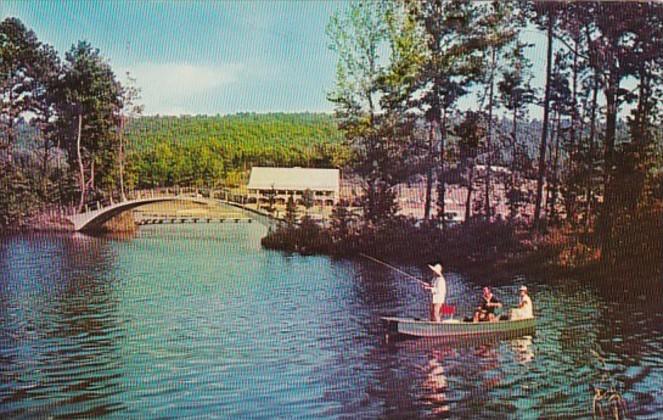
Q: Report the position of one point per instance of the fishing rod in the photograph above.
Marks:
(394, 268)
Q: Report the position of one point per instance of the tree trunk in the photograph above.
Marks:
(442, 190)
(555, 175)
(429, 173)
(44, 166)
(81, 168)
(514, 151)
(468, 201)
(489, 145)
(590, 158)
(574, 150)
(514, 146)
(91, 181)
(123, 197)
(607, 212)
(544, 130)
(574, 96)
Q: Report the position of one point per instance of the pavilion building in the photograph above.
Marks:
(264, 182)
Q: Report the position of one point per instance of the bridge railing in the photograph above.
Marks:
(140, 194)
(56, 211)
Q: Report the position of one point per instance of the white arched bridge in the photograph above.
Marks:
(93, 220)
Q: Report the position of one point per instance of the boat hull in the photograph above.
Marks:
(459, 329)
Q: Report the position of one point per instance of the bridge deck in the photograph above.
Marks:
(190, 219)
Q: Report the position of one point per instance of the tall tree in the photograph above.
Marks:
(25, 65)
(89, 100)
(623, 44)
(546, 16)
(131, 110)
(44, 110)
(450, 65)
(516, 93)
(562, 107)
(499, 26)
(471, 132)
(360, 38)
(576, 180)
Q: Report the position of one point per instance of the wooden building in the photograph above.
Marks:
(264, 182)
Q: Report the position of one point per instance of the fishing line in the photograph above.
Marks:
(393, 268)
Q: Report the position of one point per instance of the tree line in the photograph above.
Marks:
(404, 66)
(60, 119)
(72, 133)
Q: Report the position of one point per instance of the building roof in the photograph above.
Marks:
(294, 179)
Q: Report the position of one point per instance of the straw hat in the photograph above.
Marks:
(437, 269)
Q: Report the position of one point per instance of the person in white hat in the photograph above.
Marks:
(438, 289)
(525, 308)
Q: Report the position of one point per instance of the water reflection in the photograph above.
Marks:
(436, 382)
(523, 348)
(60, 324)
(192, 320)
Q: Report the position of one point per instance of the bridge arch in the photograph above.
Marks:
(92, 220)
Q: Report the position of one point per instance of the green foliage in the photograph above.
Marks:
(27, 67)
(306, 238)
(19, 196)
(210, 151)
(308, 198)
(379, 203)
(271, 197)
(290, 211)
(342, 221)
(376, 53)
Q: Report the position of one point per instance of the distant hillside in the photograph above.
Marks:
(170, 150)
(253, 136)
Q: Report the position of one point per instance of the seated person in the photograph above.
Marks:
(525, 308)
(486, 310)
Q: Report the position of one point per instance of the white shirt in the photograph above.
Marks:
(526, 309)
(439, 289)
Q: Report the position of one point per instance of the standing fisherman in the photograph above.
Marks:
(439, 292)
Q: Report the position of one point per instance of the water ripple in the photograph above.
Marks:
(198, 321)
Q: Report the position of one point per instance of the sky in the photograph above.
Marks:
(210, 57)
(200, 57)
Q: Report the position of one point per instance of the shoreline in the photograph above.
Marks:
(494, 250)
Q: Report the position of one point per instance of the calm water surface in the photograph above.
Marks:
(199, 321)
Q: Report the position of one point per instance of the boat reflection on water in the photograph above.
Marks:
(435, 383)
(522, 348)
(443, 369)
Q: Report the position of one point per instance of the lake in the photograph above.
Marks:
(200, 321)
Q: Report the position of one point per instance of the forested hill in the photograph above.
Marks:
(245, 129)
(168, 150)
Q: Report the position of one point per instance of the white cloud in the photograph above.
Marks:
(166, 87)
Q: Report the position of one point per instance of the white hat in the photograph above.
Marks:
(523, 288)
(437, 269)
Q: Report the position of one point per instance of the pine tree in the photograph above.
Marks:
(516, 93)
(89, 100)
(450, 65)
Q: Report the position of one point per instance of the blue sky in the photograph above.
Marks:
(209, 57)
(201, 57)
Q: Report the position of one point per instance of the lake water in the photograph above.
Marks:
(199, 321)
